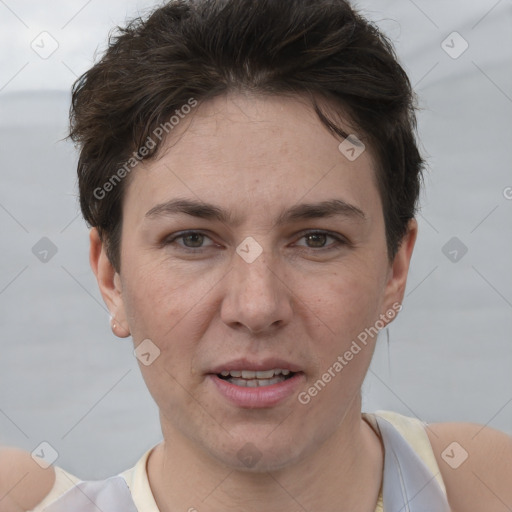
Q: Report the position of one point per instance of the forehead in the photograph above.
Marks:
(245, 151)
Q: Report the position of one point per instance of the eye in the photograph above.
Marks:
(318, 239)
(192, 240)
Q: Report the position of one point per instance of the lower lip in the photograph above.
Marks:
(264, 396)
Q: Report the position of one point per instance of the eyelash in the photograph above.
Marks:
(340, 241)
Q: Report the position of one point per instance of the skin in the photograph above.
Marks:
(258, 156)
(23, 483)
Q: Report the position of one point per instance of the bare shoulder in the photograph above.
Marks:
(23, 483)
(476, 465)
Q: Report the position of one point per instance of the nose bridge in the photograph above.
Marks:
(256, 298)
(257, 276)
(251, 262)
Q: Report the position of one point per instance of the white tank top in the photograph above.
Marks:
(412, 481)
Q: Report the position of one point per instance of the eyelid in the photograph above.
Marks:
(339, 238)
(181, 234)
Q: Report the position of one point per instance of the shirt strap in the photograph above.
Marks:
(408, 485)
(110, 495)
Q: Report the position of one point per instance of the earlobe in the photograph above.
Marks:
(109, 283)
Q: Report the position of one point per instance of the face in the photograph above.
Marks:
(254, 244)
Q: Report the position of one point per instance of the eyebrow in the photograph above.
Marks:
(329, 208)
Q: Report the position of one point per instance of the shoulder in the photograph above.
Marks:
(476, 465)
(23, 483)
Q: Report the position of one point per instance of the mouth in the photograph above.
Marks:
(255, 379)
(256, 384)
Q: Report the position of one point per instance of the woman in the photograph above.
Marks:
(250, 174)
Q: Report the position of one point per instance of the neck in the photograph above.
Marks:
(343, 474)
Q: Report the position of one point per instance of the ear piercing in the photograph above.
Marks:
(113, 324)
(118, 330)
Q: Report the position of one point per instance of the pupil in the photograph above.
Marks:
(316, 235)
(197, 235)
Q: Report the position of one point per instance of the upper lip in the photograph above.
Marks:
(254, 365)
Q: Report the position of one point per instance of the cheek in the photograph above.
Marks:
(173, 309)
(158, 297)
(165, 307)
(348, 309)
(145, 296)
(349, 303)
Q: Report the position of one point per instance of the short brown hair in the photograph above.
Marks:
(203, 48)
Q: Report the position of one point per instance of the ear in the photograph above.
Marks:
(109, 283)
(399, 269)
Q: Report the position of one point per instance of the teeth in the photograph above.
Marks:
(253, 383)
(238, 382)
(250, 374)
(253, 379)
(265, 375)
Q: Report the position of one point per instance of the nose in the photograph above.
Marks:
(257, 297)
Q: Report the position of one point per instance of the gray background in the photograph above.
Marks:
(65, 379)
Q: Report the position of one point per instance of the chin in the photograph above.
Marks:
(259, 453)
(250, 459)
